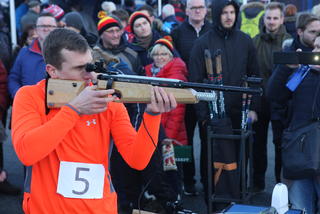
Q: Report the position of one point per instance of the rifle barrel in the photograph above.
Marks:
(163, 82)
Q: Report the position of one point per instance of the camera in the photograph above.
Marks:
(294, 58)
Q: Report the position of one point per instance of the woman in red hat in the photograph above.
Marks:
(166, 65)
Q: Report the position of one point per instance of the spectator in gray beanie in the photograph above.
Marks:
(73, 21)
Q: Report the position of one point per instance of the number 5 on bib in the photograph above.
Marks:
(81, 180)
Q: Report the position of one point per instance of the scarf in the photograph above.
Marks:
(155, 70)
(144, 42)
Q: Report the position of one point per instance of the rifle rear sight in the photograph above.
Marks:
(99, 67)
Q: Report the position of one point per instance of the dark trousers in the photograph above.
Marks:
(277, 130)
(189, 168)
(130, 183)
(260, 159)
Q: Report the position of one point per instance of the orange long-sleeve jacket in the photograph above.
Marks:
(42, 141)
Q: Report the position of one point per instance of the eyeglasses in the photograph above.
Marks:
(160, 54)
(197, 8)
(47, 26)
(113, 31)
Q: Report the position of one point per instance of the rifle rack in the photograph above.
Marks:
(246, 182)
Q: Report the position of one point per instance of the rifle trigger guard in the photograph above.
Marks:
(109, 83)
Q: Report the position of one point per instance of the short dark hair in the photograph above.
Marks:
(147, 8)
(60, 39)
(121, 14)
(304, 19)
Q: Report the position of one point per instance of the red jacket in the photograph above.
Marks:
(173, 122)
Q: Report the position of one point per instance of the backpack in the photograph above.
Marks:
(250, 26)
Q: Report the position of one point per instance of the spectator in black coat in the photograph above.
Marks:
(303, 193)
(238, 59)
(184, 36)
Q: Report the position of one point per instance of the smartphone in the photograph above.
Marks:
(305, 58)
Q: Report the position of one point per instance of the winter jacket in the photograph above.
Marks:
(184, 37)
(296, 44)
(282, 111)
(21, 10)
(169, 23)
(173, 121)
(143, 53)
(238, 59)
(290, 23)
(302, 99)
(251, 19)
(126, 53)
(28, 69)
(266, 44)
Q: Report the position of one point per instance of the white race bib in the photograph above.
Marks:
(81, 180)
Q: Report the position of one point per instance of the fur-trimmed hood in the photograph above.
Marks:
(252, 9)
(252, 5)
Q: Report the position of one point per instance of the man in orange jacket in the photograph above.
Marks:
(66, 151)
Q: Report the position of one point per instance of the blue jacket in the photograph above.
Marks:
(28, 69)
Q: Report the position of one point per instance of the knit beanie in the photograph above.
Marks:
(55, 10)
(136, 15)
(73, 19)
(106, 23)
(165, 42)
(33, 3)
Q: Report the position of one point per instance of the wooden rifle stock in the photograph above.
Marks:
(60, 92)
(208, 61)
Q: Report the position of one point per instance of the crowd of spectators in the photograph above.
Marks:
(134, 40)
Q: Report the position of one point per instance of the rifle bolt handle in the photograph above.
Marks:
(51, 92)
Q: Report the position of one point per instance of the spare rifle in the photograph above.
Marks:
(135, 89)
(213, 108)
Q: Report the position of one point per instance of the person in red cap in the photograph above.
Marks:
(56, 11)
(165, 65)
(144, 36)
(112, 41)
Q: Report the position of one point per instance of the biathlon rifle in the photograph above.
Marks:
(135, 89)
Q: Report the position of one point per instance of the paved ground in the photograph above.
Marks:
(12, 204)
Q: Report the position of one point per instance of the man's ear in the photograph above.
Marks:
(52, 71)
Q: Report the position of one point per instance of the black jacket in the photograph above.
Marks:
(282, 110)
(238, 58)
(143, 53)
(184, 37)
(296, 44)
(302, 99)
